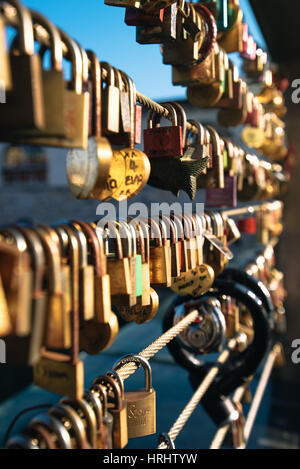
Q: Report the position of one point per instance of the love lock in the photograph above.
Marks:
(207, 333)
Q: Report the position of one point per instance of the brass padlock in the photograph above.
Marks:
(117, 407)
(111, 102)
(58, 372)
(105, 436)
(88, 418)
(39, 296)
(88, 171)
(160, 260)
(53, 85)
(24, 108)
(20, 297)
(178, 221)
(57, 334)
(141, 404)
(118, 269)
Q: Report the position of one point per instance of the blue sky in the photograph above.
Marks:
(101, 28)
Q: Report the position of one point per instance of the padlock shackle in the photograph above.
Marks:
(95, 77)
(83, 245)
(98, 255)
(201, 131)
(67, 412)
(125, 236)
(109, 382)
(154, 118)
(53, 261)
(146, 236)
(181, 118)
(38, 258)
(26, 36)
(118, 247)
(173, 234)
(140, 361)
(88, 415)
(76, 59)
(155, 232)
(56, 50)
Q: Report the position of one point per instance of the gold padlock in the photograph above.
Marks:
(160, 261)
(141, 404)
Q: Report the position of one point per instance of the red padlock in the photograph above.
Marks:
(247, 225)
(163, 142)
(137, 17)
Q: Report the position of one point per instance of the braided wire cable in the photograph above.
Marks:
(149, 352)
(222, 432)
(198, 395)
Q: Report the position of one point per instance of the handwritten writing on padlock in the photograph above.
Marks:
(141, 404)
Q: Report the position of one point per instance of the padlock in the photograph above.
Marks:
(76, 102)
(160, 262)
(53, 87)
(231, 40)
(88, 170)
(191, 230)
(202, 73)
(178, 221)
(160, 34)
(199, 231)
(39, 297)
(208, 95)
(102, 304)
(118, 269)
(163, 142)
(86, 277)
(94, 401)
(141, 404)
(57, 333)
(24, 108)
(5, 73)
(111, 102)
(105, 436)
(59, 372)
(134, 17)
(143, 248)
(117, 407)
(19, 297)
(175, 246)
(185, 51)
(140, 313)
(197, 150)
(234, 116)
(126, 89)
(215, 175)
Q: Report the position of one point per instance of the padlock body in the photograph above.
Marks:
(141, 413)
